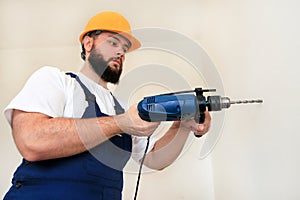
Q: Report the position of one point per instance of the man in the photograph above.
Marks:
(74, 136)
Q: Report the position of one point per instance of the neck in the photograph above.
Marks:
(89, 72)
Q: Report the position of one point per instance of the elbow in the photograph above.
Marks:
(156, 167)
(29, 150)
(28, 139)
(31, 157)
(29, 153)
(156, 164)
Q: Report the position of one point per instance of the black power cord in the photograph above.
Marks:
(140, 170)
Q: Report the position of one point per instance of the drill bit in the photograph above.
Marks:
(246, 101)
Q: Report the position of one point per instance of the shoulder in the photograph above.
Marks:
(49, 72)
(53, 75)
(45, 92)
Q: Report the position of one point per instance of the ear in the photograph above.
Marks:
(88, 43)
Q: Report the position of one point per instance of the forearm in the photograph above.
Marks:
(39, 137)
(168, 148)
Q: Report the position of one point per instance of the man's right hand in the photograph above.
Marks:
(131, 123)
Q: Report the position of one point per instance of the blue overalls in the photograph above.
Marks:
(94, 174)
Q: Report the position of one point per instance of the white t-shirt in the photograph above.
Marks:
(53, 93)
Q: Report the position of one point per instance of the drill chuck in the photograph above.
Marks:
(217, 103)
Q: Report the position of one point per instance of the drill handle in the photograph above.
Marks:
(201, 103)
(200, 120)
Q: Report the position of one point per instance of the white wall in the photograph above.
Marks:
(254, 45)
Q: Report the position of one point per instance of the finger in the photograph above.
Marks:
(207, 122)
(200, 127)
(200, 130)
(207, 117)
(203, 128)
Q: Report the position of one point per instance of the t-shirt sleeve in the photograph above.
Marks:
(139, 146)
(43, 92)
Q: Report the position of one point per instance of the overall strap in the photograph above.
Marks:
(88, 95)
(91, 97)
(121, 144)
(118, 108)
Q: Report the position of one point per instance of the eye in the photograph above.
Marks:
(125, 49)
(113, 43)
(116, 43)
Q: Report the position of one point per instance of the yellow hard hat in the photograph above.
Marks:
(114, 22)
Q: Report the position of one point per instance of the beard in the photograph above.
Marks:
(102, 68)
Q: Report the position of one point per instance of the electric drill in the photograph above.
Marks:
(183, 105)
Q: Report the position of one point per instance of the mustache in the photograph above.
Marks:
(118, 59)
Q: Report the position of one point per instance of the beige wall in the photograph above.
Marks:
(255, 47)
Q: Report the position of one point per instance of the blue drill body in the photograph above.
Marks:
(168, 107)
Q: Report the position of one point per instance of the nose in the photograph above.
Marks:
(120, 52)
